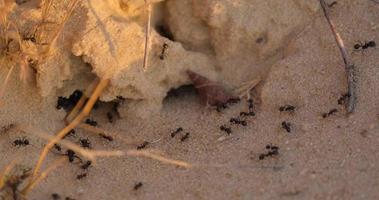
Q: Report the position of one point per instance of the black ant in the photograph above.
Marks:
(238, 121)
(272, 151)
(251, 105)
(138, 186)
(287, 108)
(71, 133)
(228, 130)
(107, 137)
(91, 122)
(110, 117)
(55, 196)
(71, 155)
(164, 48)
(58, 147)
(143, 145)
(331, 112)
(86, 165)
(233, 100)
(68, 103)
(178, 130)
(81, 176)
(244, 114)
(343, 98)
(85, 143)
(21, 142)
(185, 137)
(221, 107)
(286, 126)
(365, 45)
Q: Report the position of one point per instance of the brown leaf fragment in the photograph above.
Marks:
(210, 92)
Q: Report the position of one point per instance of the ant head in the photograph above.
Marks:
(371, 44)
(357, 46)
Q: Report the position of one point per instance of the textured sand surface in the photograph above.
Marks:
(331, 158)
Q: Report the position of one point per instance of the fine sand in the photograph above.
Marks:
(321, 158)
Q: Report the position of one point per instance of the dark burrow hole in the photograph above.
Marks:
(185, 90)
(164, 31)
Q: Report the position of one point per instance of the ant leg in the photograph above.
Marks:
(74, 123)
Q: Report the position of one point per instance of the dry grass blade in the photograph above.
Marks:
(89, 154)
(5, 83)
(147, 154)
(43, 175)
(147, 36)
(6, 171)
(100, 131)
(349, 66)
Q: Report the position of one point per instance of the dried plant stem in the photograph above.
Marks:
(6, 171)
(349, 66)
(43, 175)
(86, 110)
(162, 159)
(147, 36)
(99, 131)
(5, 83)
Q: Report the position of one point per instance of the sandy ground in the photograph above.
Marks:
(331, 158)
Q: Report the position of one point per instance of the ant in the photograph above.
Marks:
(71, 155)
(286, 126)
(343, 98)
(138, 186)
(107, 137)
(228, 130)
(233, 100)
(85, 143)
(178, 130)
(331, 112)
(365, 45)
(91, 122)
(21, 142)
(143, 145)
(55, 196)
(185, 137)
(221, 107)
(68, 103)
(110, 117)
(251, 105)
(71, 133)
(164, 49)
(272, 151)
(58, 147)
(86, 165)
(81, 176)
(238, 121)
(287, 108)
(243, 114)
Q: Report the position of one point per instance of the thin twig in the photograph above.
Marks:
(43, 175)
(148, 154)
(147, 36)
(349, 66)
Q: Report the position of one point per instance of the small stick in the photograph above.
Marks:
(349, 66)
(147, 36)
(147, 154)
(43, 175)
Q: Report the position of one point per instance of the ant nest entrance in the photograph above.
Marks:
(207, 37)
